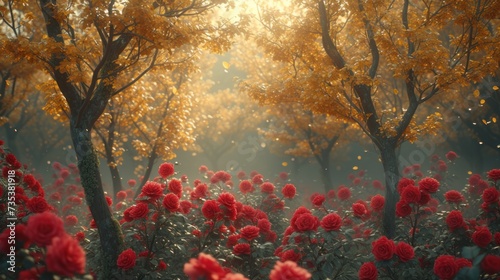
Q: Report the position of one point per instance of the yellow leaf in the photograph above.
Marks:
(495, 87)
(396, 91)
(359, 157)
(284, 163)
(485, 122)
(494, 120)
(482, 101)
(226, 64)
(476, 93)
(355, 168)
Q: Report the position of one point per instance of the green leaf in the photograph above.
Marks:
(470, 252)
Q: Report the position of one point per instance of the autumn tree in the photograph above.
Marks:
(306, 134)
(89, 48)
(339, 57)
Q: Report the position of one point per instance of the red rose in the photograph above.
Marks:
(455, 220)
(482, 237)
(359, 209)
(175, 186)
(152, 189)
(404, 251)
(250, 232)
(403, 209)
(234, 276)
(267, 188)
(445, 267)
(171, 202)
(403, 183)
(257, 179)
(289, 191)
(306, 222)
(126, 260)
(246, 187)
(38, 204)
(451, 155)
(454, 196)
(204, 267)
(491, 264)
(424, 198)
(242, 249)
(43, 227)
(383, 248)
(317, 200)
(166, 170)
(494, 175)
(70, 220)
(201, 190)
(226, 199)
(264, 225)
(490, 195)
(288, 270)
(331, 222)
(210, 209)
(429, 185)
(497, 238)
(377, 203)
(368, 271)
(463, 262)
(343, 193)
(65, 256)
(410, 194)
(140, 210)
(290, 255)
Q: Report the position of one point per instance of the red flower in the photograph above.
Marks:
(445, 267)
(246, 187)
(368, 271)
(451, 155)
(403, 209)
(126, 260)
(140, 210)
(289, 191)
(161, 265)
(250, 232)
(171, 202)
(306, 222)
(290, 255)
(383, 248)
(317, 199)
(121, 195)
(203, 169)
(175, 186)
(166, 170)
(242, 249)
(234, 276)
(377, 203)
(204, 267)
(70, 220)
(482, 237)
(264, 225)
(463, 262)
(490, 195)
(404, 251)
(497, 238)
(494, 175)
(454, 196)
(288, 270)
(359, 209)
(331, 222)
(65, 257)
(226, 199)
(429, 185)
(131, 182)
(37, 204)
(455, 220)
(267, 188)
(410, 194)
(152, 189)
(403, 183)
(491, 264)
(257, 179)
(343, 193)
(210, 209)
(43, 227)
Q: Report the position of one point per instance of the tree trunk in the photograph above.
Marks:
(113, 170)
(326, 177)
(110, 234)
(392, 176)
